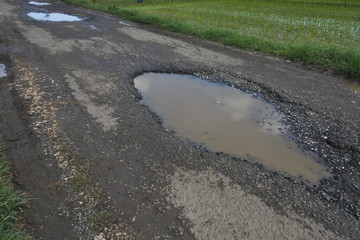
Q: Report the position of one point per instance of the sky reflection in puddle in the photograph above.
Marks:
(53, 17)
(2, 71)
(225, 119)
(39, 3)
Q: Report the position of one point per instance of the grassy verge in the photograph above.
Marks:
(324, 33)
(11, 203)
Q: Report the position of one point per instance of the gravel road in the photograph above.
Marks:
(99, 165)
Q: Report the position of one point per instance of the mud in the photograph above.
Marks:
(354, 86)
(69, 89)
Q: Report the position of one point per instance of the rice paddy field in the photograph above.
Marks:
(320, 32)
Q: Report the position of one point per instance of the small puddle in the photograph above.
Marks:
(125, 24)
(225, 119)
(53, 17)
(2, 71)
(39, 3)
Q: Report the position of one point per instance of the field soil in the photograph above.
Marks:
(97, 164)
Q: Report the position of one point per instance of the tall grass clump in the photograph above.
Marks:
(320, 32)
(11, 204)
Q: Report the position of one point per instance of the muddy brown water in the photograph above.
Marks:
(2, 71)
(225, 119)
(354, 86)
(53, 17)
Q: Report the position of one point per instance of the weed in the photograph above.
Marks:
(102, 218)
(81, 180)
(11, 203)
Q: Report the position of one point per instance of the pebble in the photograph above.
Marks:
(99, 237)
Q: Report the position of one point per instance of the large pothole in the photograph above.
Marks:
(225, 119)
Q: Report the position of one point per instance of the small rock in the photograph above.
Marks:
(99, 237)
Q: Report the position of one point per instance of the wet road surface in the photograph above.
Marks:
(69, 103)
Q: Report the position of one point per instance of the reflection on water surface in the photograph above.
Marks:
(225, 119)
(53, 17)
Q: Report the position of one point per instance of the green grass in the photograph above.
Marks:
(11, 203)
(102, 218)
(81, 180)
(320, 32)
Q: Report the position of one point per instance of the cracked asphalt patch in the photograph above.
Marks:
(221, 209)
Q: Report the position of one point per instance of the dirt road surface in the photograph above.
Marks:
(98, 164)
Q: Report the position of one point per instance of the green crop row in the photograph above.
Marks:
(325, 33)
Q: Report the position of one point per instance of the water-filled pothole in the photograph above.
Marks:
(39, 3)
(53, 17)
(225, 119)
(2, 71)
